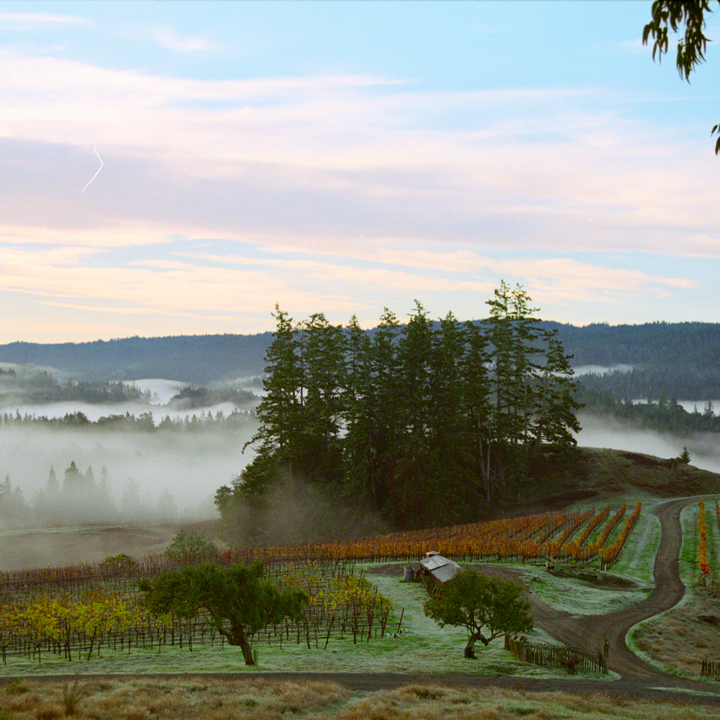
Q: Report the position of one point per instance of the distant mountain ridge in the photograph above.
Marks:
(200, 359)
(675, 359)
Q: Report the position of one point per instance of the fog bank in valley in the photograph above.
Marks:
(149, 475)
(154, 449)
(704, 448)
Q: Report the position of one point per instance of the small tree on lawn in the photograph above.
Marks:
(239, 601)
(486, 606)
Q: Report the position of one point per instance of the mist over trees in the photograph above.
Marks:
(32, 385)
(666, 414)
(422, 422)
(671, 359)
(654, 382)
(129, 422)
(82, 498)
(197, 359)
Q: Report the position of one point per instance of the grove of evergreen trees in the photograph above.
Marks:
(144, 422)
(424, 422)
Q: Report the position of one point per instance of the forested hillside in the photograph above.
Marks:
(671, 360)
(651, 344)
(677, 360)
(200, 359)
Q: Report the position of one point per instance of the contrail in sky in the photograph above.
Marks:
(98, 170)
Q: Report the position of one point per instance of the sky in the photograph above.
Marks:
(179, 168)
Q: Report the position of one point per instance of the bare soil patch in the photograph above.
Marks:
(29, 549)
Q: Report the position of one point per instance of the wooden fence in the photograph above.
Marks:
(710, 668)
(571, 659)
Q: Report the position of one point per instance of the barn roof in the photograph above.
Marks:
(441, 568)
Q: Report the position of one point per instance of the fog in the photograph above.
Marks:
(150, 475)
(601, 369)
(161, 391)
(603, 433)
(95, 412)
(122, 471)
(173, 474)
(698, 405)
(159, 405)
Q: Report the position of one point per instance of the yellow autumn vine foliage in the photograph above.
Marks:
(59, 617)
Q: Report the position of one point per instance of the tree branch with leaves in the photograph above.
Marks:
(238, 600)
(686, 17)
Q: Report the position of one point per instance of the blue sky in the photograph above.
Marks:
(342, 157)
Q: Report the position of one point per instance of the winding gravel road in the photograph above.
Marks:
(591, 631)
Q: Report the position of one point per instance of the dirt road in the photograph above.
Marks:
(638, 678)
(591, 631)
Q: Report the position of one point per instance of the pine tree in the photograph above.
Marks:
(526, 355)
(359, 457)
(478, 408)
(555, 417)
(280, 412)
(503, 430)
(323, 400)
(374, 423)
(452, 476)
(73, 478)
(412, 404)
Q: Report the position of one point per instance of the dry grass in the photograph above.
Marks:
(435, 702)
(140, 698)
(215, 699)
(681, 638)
(617, 472)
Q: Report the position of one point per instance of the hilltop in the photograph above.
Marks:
(601, 474)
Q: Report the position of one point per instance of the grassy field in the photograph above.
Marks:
(421, 647)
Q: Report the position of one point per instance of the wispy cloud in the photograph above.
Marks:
(566, 280)
(170, 40)
(35, 19)
(634, 47)
(572, 178)
(345, 191)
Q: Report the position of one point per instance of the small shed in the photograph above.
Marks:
(437, 569)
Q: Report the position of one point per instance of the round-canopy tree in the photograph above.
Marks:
(238, 599)
(486, 606)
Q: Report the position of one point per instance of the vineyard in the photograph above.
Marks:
(526, 539)
(706, 556)
(73, 612)
(78, 612)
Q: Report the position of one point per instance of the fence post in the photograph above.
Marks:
(605, 655)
